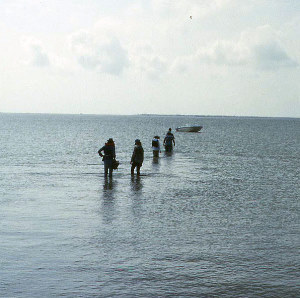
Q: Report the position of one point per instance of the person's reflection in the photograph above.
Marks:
(108, 184)
(108, 202)
(155, 165)
(136, 184)
(169, 153)
(155, 160)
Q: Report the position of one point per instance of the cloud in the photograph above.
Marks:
(100, 50)
(154, 66)
(267, 51)
(145, 60)
(110, 46)
(183, 64)
(100, 53)
(260, 48)
(271, 55)
(36, 55)
(224, 52)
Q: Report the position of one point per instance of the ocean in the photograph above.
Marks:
(219, 217)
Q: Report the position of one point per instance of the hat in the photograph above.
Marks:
(110, 140)
(156, 137)
(137, 141)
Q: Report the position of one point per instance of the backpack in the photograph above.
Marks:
(138, 154)
(155, 143)
(115, 164)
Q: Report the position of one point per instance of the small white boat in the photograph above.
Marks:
(194, 128)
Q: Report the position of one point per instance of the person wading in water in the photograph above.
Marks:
(108, 157)
(155, 146)
(137, 157)
(169, 141)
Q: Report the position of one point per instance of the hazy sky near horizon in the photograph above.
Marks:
(206, 57)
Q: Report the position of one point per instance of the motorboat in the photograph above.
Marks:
(193, 128)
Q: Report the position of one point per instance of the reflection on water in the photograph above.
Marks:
(155, 160)
(108, 202)
(136, 184)
(168, 154)
(137, 197)
(108, 184)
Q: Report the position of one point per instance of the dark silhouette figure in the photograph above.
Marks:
(137, 157)
(108, 157)
(169, 141)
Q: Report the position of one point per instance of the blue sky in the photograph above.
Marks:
(233, 57)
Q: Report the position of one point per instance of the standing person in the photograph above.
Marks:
(137, 157)
(169, 141)
(108, 157)
(156, 146)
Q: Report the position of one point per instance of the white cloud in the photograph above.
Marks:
(145, 60)
(270, 56)
(183, 64)
(268, 51)
(36, 55)
(153, 66)
(100, 53)
(260, 48)
(224, 52)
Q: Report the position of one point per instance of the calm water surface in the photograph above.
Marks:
(217, 218)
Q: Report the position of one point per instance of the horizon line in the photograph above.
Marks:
(149, 114)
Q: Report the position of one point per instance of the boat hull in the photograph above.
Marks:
(189, 129)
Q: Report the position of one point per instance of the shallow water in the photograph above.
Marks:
(218, 217)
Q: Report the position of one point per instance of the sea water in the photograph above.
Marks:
(217, 218)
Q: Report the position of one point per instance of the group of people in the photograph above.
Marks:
(108, 153)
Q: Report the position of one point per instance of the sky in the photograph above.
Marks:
(189, 57)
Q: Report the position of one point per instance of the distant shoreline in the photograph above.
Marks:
(151, 115)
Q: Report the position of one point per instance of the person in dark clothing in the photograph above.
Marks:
(169, 141)
(108, 157)
(137, 157)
